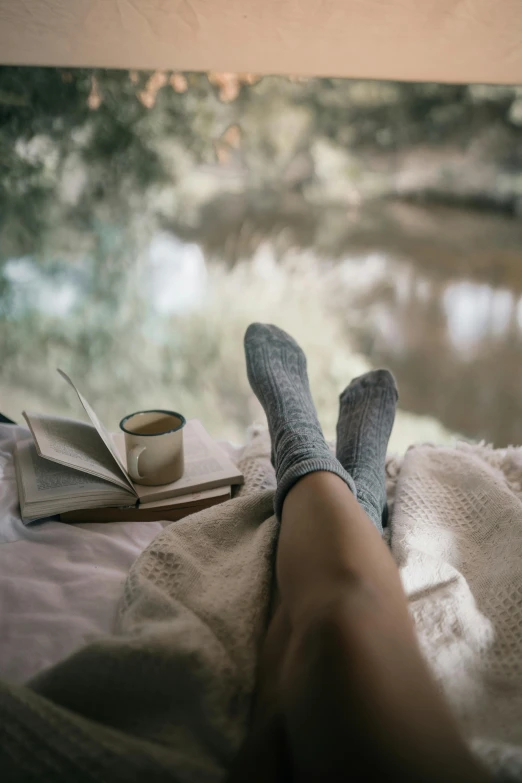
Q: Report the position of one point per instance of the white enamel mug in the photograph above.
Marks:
(154, 446)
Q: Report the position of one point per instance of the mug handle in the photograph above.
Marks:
(133, 457)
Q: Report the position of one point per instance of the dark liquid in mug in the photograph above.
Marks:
(157, 427)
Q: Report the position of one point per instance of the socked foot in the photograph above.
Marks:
(276, 368)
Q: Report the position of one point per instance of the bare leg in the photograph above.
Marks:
(357, 696)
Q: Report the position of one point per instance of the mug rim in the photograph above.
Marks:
(153, 434)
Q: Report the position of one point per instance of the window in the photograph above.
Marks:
(147, 218)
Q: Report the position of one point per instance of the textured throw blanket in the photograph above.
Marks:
(168, 697)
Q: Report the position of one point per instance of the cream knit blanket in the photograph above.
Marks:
(167, 698)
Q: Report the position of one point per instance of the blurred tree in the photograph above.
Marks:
(134, 130)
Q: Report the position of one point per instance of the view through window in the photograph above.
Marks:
(147, 218)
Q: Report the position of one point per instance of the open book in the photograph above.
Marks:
(71, 465)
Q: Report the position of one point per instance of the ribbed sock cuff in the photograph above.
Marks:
(300, 469)
(378, 512)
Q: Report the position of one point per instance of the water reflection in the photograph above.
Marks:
(474, 312)
(385, 284)
(174, 275)
(31, 287)
(433, 293)
(453, 339)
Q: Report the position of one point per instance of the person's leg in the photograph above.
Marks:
(276, 368)
(356, 693)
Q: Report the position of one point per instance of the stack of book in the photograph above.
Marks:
(77, 470)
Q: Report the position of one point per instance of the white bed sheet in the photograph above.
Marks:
(60, 584)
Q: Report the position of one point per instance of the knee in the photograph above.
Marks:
(336, 630)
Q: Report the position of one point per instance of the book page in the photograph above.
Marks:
(45, 480)
(74, 444)
(103, 433)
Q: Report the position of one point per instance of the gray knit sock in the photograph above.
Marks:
(365, 422)
(276, 368)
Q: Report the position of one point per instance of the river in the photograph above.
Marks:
(153, 316)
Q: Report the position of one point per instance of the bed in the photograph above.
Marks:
(60, 584)
(195, 603)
